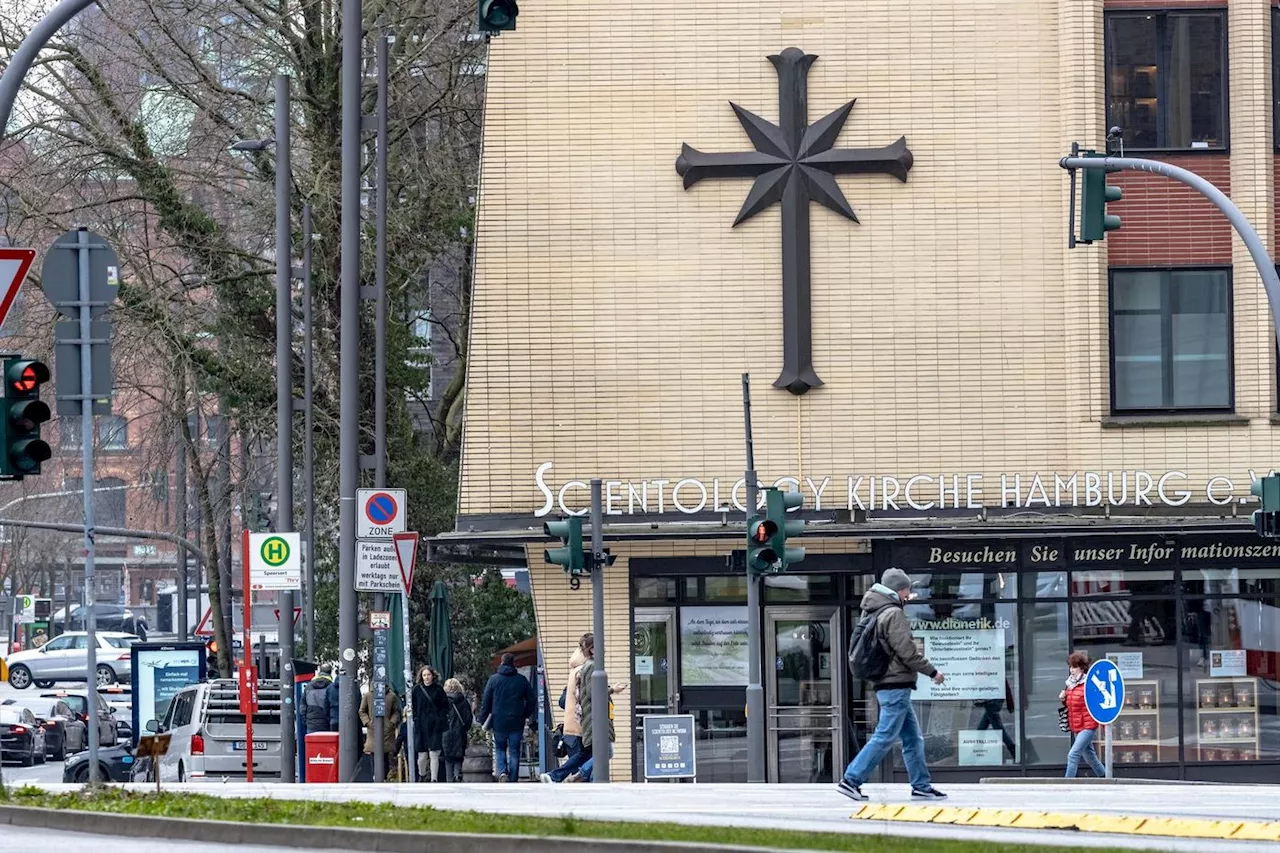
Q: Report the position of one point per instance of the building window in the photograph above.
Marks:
(420, 350)
(1171, 340)
(113, 432)
(1167, 79)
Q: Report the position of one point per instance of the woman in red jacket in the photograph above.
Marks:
(1083, 727)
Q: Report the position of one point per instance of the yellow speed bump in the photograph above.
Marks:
(1102, 823)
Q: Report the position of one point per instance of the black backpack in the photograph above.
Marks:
(868, 658)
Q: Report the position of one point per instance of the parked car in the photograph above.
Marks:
(65, 658)
(120, 698)
(115, 764)
(64, 731)
(108, 718)
(21, 738)
(208, 733)
(107, 617)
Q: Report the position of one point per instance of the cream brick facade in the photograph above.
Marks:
(614, 311)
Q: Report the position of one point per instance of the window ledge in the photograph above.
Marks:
(1209, 419)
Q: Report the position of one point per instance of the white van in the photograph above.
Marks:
(208, 733)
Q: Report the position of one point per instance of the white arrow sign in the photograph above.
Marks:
(1107, 689)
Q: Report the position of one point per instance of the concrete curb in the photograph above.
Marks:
(1083, 780)
(331, 838)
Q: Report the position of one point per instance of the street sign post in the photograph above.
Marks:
(406, 546)
(14, 265)
(380, 513)
(1104, 700)
(275, 561)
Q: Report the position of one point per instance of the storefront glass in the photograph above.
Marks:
(1045, 649)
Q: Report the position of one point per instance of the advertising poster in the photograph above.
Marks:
(159, 671)
(972, 661)
(713, 644)
(980, 747)
(1128, 663)
(1226, 663)
(668, 747)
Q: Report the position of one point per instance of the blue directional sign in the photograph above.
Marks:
(1104, 692)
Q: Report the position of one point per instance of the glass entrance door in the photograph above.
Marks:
(654, 678)
(804, 683)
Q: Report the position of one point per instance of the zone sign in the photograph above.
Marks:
(379, 513)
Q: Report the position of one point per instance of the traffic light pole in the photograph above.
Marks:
(1252, 241)
(380, 342)
(755, 692)
(284, 414)
(308, 440)
(600, 742)
(87, 483)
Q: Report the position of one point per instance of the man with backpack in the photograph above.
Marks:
(884, 652)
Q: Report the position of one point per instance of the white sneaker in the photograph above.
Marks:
(546, 777)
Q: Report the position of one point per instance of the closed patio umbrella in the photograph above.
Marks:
(441, 637)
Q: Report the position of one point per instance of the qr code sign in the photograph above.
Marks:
(668, 744)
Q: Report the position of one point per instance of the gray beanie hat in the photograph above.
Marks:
(896, 579)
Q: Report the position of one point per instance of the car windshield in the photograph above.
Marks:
(77, 704)
(121, 642)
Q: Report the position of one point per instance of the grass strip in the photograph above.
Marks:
(363, 815)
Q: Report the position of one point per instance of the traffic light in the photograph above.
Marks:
(1266, 521)
(767, 551)
(24, 412)
(569, 556)
(497, 15)
(1095, 222)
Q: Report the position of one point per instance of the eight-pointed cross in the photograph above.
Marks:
(794, 162)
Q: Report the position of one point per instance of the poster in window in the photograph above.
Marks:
(1227, 662)
(977, 747)
(713, 646)
(973, 662)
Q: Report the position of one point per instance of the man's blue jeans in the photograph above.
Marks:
(577, 755)
(897, 720)
(1083, 748)
(506, 750)
(590, 763)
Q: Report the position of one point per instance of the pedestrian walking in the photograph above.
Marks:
(508, 703)
(1084, 728)
(884, 651)
(390, 730)
(585, 718)
(320, 701)
(429, 708)
(457, 724)
(572, 732)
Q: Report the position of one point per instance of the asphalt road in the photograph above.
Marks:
(50, 771)
(20, 840)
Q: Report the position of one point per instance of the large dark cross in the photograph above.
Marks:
(794, 162)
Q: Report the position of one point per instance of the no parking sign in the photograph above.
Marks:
(380, 513)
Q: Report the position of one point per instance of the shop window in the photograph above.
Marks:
(972, 719)
(957, 596)
(719, 588)
(792, 588)
(1045, 647)
(1171, 340)
(650, 591)
(720, 741)
(1140, 636)
(1167, 79)
(713, 646)
(1044, 584)
(1229, 702)
(1262, 581)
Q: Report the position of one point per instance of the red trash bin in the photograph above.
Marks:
(322, 757)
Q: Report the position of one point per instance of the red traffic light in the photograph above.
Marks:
(26, 377)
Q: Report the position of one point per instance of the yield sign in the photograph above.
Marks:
(14, 264)
(297, 611)
(406, 554)
(205, 628)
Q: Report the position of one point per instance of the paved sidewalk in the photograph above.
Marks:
(813, 807)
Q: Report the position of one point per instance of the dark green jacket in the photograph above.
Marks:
(584, 702)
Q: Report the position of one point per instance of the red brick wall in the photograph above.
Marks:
(1165, 222)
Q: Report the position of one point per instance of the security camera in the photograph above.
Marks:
(1115, 132)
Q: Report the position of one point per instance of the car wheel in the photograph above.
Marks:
(30, 758)
(60, 754)
(182, 773)
(106, 675)
(20, 677)
(39, 759)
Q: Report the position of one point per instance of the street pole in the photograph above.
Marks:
(1108, 751)
(222, 524)
(180, 519)
(349, 382)
(380, 340)
(66, 594)
(308, 442)
(599, 679)
(284, 414)
(87, 483)
(755, 693)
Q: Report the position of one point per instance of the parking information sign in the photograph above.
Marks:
(377, 568)
(668, 747)
(380, 513)
(275, 561)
